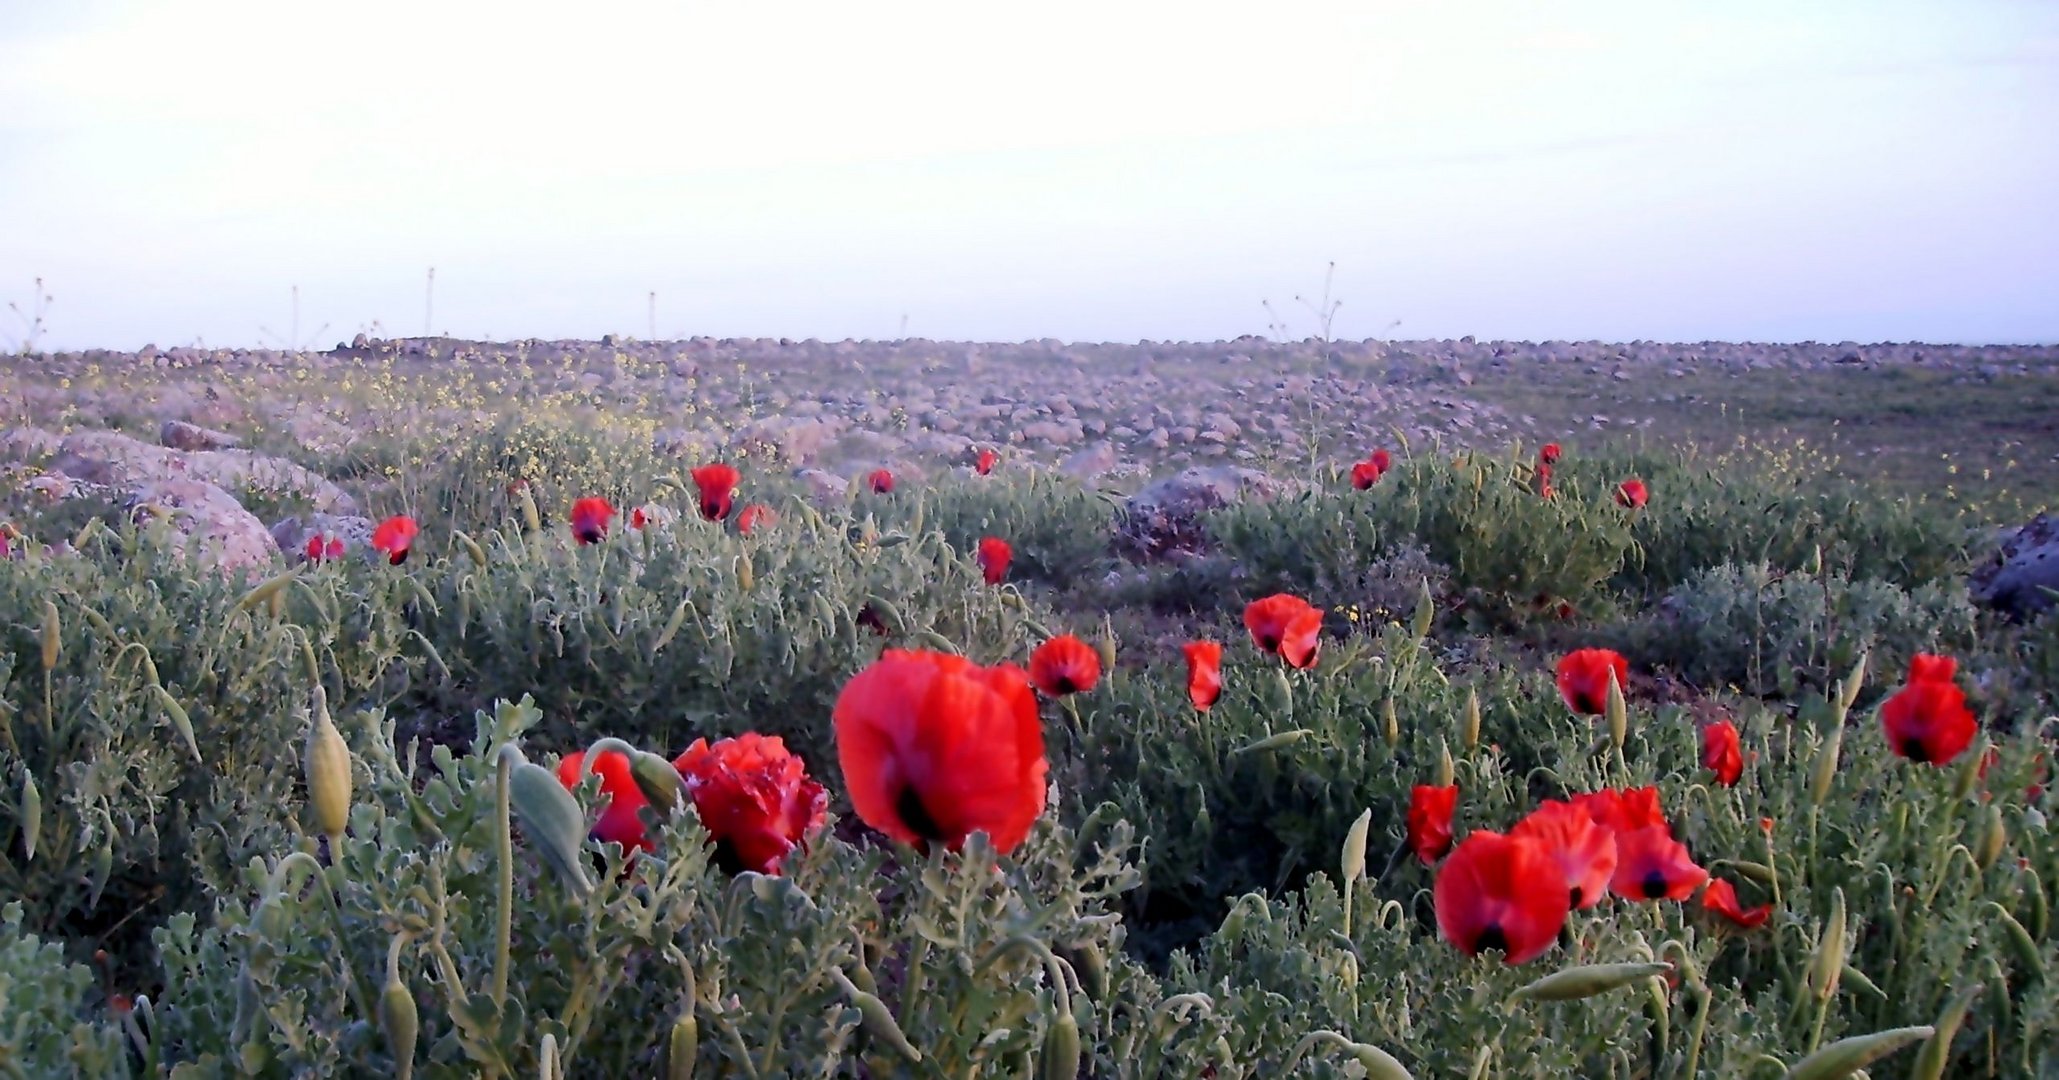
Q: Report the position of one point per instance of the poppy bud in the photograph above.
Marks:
(1930, 1061)
(1618, 712)
(1853, 683)
(1426, 611)
(1355, 848)
(551, 818)
(1970, 769)
(1847, 1056)
(877, 1020)
(1469, 730)
(1105, 646)
(2028, 956)
(1390, 722)
(398, 1017)
(671, 629)
(264, 591)
(746, 575)
(1830, 950)
(31, 814)
(1826, 765)
(1062, 1048)
(472, 548)
(682, 1046)
(1092, 966)
(659, 781)
(327, 766)
(51, 631)
(1993, 839)
(1282, 696)
(1588, 980)
(1274, 742)
(531, 520)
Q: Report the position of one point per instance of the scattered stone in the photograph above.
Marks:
(180, 435)
(2022, 576)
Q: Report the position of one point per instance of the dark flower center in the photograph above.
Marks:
(908, 806)
(1573, 897)
(1916, 750)
(1491, 938)
(1063, 684)
(1655, 887)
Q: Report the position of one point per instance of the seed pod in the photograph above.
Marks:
(31, 814)
(1446, 770)
(52, 634)
(1469, 729)
(1062, 1048)
(1618, 711)
(1829, 964)
(682, 1046)
(1826, 765)
(551, 819)
(878, 1021)
(1993, 839)
(1937, 1050)
(1273, 742)
(398, 1017)
(1588, 980)
(1390, 721)
(1847, 1056)
(1426, 611)
(328, 773)
(181, 723)
(265, 590)
(658, 780)
(1355, 847)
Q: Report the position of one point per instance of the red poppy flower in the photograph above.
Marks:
(619, 823)
(394, 537)
(1364, 475)
(1721, 898)
(984, 464)
(882, 481)
(1548, 454)
(753, 516)
(1722, 752)
(590, 520)
(994, 555)
(1927, 667)
(1064, 665)
(1928, 721)
(320, 547)
(1429, 820)
(1625, 810)
(1204, 672)
(1381, 460)
(755, 798)
(934, 748)
(1584, 851)
(638, 519)
(718, 484)
(1651, 865)
(1286, 626)
(1632, 493)
(1583, 677)
(1499, 892)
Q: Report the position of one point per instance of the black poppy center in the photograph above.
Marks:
(1063, 684)
(908, 806)
(1491, 938)
(1916, 750)
(1655, 887)
(398, 557)
(1573, 898)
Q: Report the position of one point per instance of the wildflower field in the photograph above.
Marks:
(599, 752)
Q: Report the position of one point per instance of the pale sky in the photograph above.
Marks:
(1078, 169)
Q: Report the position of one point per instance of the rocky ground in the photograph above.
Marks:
(177, 431)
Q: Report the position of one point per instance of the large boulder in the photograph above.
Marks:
(2023, 575)
(208, 525)
(116, 460)
(1165, 520)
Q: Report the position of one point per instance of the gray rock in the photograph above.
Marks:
(180, 435)
(1165, 519)
(825, 488)
(208, 525)
(2023, 574)
(1090, 461)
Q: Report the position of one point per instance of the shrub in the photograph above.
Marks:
(1059, 529)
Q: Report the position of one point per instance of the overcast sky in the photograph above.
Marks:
(1079, 169)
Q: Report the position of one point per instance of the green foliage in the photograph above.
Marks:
(44, 1026)
(1059, 530)
(1768, 632)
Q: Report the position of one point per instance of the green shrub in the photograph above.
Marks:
(44, 1025)
(1059, 530)
(1766, 632)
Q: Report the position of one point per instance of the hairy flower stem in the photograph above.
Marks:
(504, 855)
(299, 858)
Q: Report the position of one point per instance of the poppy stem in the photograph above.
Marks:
(504, 855)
